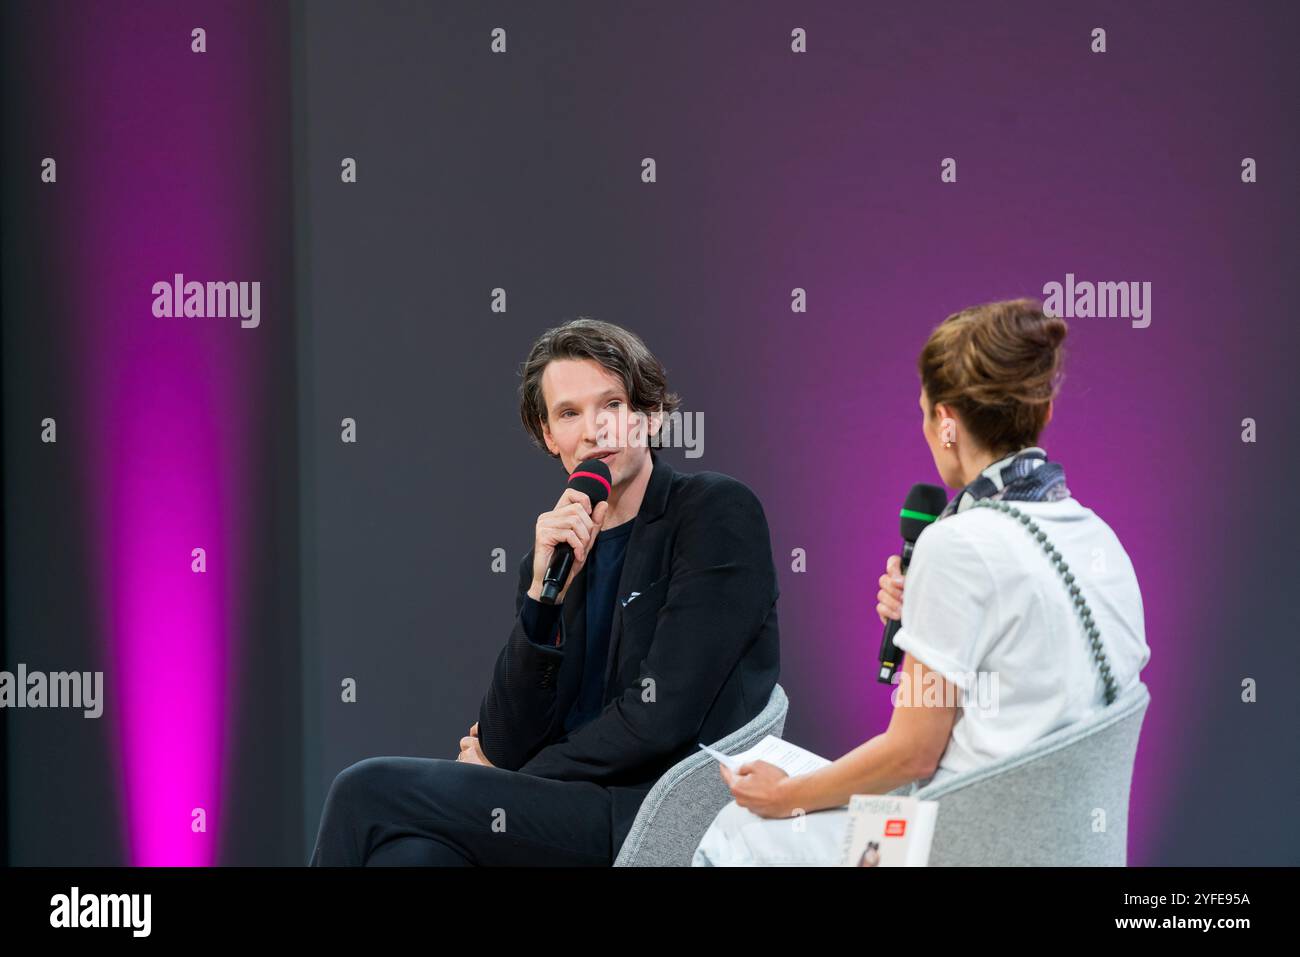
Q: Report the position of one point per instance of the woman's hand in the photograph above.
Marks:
(761, 787)
(889, 600)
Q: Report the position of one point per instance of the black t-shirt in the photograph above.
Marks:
(604, 569)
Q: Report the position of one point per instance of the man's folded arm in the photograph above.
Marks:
(518, 708)
(722, 587)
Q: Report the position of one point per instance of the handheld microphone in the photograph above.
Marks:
(920, 510)
(592, 478)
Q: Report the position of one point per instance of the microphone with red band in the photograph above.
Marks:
(920, 510)
(592, 478)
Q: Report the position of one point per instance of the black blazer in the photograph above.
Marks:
(693, 657)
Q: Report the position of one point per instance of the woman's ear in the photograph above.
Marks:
(1049, 413)
(947, 424)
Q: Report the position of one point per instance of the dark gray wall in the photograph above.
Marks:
(478, 171)
(396, 273)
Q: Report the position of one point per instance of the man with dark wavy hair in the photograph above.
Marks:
(664, 636)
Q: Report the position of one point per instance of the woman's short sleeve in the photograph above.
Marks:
(947, 604)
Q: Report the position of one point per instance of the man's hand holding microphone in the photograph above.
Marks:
(573, 522)
(562, 540)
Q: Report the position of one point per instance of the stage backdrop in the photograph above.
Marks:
(150, 453)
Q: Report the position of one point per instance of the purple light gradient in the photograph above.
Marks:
(164, 161)
(823, 173)
(819, 172)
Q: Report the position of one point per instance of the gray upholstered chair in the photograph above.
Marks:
(1047, 804)
(684, 802)
(1062, 801)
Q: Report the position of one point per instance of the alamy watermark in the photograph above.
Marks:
(1101, 300)
(976, 691)
(677, 430)
(57, 689)
(213, 300)
(75, 909)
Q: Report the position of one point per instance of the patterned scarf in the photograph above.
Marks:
(1024, 476)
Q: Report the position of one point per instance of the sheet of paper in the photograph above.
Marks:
(732, 764)
(790, 758)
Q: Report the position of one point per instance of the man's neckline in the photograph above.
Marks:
(622, 529)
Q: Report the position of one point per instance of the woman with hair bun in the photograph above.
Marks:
(1003, 644)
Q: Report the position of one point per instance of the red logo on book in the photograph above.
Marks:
(895, 828)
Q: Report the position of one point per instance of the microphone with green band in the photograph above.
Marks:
(920, 509)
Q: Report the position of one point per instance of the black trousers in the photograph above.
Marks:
(439, 812)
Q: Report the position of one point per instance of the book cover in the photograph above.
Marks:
(888, 831)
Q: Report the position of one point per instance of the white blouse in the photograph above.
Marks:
(985, 607)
